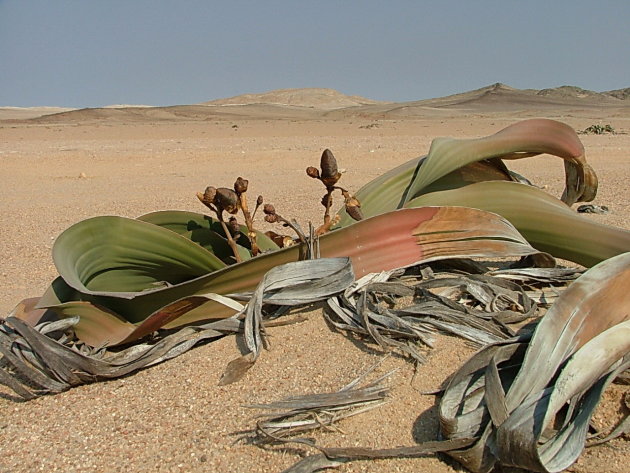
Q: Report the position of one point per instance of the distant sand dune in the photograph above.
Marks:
(24, 113)
(314, 103)
(322, 99)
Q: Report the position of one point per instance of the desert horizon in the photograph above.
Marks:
(330, 103)
(62, 167)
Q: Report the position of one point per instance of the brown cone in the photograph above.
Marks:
(234, 226)
(226, 199)
(312, 172)
(240, 186)
(353, 207)
(330, 172)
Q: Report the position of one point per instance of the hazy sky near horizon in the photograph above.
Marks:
(89, 53)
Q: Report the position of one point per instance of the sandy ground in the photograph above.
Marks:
(174, 417)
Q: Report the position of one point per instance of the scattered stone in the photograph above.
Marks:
(593, 209)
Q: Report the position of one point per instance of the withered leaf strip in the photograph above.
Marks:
(549, 385)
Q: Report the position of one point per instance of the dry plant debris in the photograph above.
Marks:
(298, 414)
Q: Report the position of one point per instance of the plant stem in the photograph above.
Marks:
(258, 204)
(329, 191)
(325, 228)
(249, 222)
(293, 227)
(328, 222)
(228, 235)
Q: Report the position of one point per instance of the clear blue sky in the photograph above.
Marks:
(90, 53)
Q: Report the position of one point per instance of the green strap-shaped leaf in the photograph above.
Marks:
(207, 232)
(453, 163)
(525, 138)
(122, 256)
(389, 191)
(201, 229)
(546, 222)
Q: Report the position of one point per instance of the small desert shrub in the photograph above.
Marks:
(599, 130)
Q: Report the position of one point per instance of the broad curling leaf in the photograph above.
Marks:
(122, 256)
(522, 139)
(546, 222)
(450, 161)
(397, 239)
(207, 232)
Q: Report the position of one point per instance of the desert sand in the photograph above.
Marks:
(57, 169)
